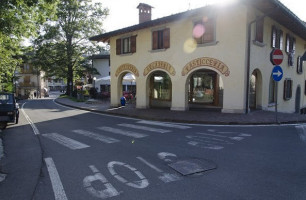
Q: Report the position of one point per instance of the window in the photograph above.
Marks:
(259, 30)
(161, 39)
(299, 65)
(290, 48)
(161, 87)
(277, 38)
(126, 45)
(204, 31)
(272, 90)
(287, 89)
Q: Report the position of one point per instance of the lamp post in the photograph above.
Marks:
(94, 82)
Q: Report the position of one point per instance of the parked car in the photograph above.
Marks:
(9, 109)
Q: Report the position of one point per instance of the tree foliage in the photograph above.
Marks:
(18, 20)
(61, 48)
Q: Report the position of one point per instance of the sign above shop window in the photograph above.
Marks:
(159, 65)
(206, 61)
(127, 67)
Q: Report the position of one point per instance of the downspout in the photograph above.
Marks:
(249, 58)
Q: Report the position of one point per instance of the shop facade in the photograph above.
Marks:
(204, 58)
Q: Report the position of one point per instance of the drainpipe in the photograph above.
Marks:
(249, 58)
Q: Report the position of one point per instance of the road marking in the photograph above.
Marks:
(163, 155)
(122, 132)
(236, 138)
(210, 139)
(206, 146)
(145, 128)
(143, 183)
(58, 189)
(165, 177)
(35, 129)
(95, 136)
(65, 141)
(110, 191)
(164, 124)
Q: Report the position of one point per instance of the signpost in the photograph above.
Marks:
(277, 75)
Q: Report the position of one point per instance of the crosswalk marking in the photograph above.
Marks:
(222, 136)
(145, 128)
(122, 132)
(164, 124)
(65, 141)
(95, 136)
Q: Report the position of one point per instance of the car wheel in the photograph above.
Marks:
(3, 125)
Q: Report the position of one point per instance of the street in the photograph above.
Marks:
(85, 155)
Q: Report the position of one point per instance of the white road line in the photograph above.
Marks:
(58, 189)
(145, 128)
(36, 131)
(122, 132)
(165, 177)
(206, 146)
(65, 141)
(203, 138)
(164, 124)
(236, 138)
(96, 136)
(149, 164)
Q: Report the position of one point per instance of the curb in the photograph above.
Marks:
(181, 121)
(2, 176)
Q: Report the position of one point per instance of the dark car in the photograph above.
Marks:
(8, 109)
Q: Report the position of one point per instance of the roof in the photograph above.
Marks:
(144, 5)
(100, 56)
(275, 9)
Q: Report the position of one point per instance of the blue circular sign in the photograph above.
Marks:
(277, 73)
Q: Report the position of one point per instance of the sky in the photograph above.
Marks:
(118, 19)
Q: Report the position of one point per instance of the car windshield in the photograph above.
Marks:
(6, 99)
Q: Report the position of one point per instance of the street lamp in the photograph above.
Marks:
(94, 82)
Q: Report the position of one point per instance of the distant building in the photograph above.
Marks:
(30, 83)
(214, 56)
(56, 84)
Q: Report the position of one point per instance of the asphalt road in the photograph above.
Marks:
(82, 155)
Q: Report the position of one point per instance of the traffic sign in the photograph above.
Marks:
(277, 73)
(276, 57)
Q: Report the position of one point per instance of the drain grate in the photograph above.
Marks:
(192, 166)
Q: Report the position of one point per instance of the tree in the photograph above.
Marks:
(63, 43)
(18, 20)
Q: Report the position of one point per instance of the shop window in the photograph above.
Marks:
(290, 49)
(161, 39)
(203, 87)
(272, 90)
(287, 89)
(126, 45)
(204, 31)
(161, 88)
(299, 65)
(277, 38)
(259, 30)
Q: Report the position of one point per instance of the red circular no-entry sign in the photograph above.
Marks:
(276, 57)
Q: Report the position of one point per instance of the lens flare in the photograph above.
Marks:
(198, 31)
(190, 45)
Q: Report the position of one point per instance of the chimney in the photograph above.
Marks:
(145, 12)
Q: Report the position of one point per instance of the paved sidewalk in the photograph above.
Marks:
(191, 116)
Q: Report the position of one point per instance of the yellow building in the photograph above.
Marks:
(214, 56)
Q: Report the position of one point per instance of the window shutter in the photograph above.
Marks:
(133, 44)
(287, 43)
(118, 46)
(155, 40)
(259, 30)
(280, 39)
(166, 36)
(209, 31)
(273, 37)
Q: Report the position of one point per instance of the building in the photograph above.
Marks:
(56, 84)
(101, 62)
(30, 83)
(214, 56)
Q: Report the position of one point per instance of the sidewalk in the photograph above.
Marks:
(191, 116)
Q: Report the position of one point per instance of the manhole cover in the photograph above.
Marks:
(192, 166)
